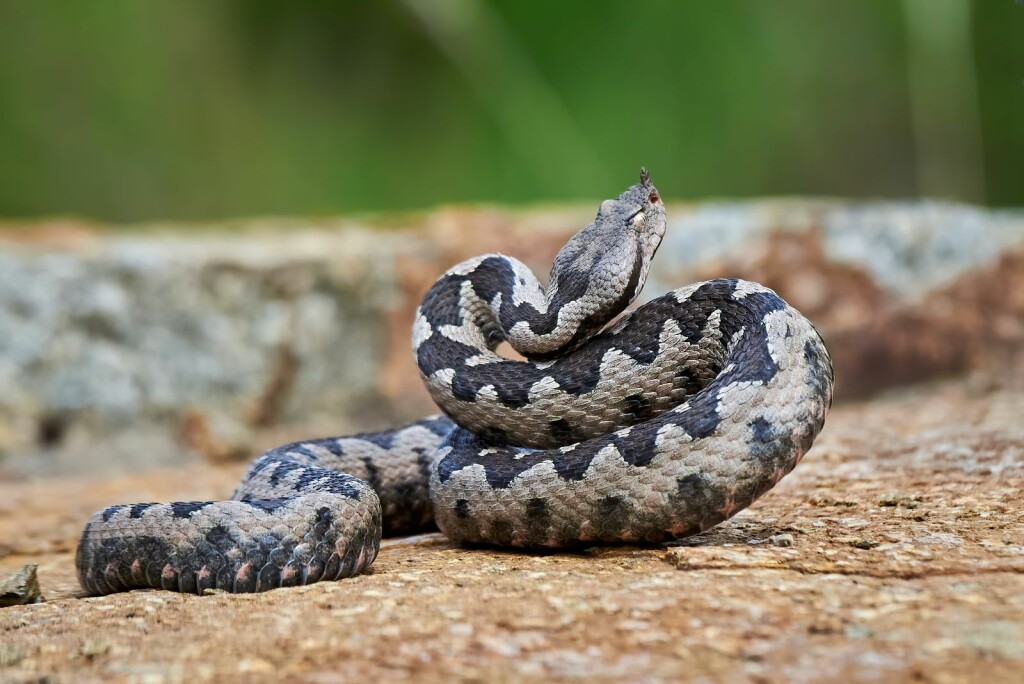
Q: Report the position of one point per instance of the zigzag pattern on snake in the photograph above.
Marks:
(644, 429)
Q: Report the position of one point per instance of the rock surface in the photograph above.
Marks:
(894, 552)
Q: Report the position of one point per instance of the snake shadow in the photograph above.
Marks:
(729, 533)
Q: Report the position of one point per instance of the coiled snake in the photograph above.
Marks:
(677, 416)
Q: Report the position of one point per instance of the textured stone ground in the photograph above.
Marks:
(894, 552)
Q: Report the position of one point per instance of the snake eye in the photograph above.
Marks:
(637, 220)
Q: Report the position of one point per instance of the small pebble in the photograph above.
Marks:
(21, 588)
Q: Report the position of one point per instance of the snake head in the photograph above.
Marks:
(639, 208)
(637, 215)
(615, 250)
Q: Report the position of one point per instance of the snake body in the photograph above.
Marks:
(660, 425)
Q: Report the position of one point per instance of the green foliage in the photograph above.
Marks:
(127, 110)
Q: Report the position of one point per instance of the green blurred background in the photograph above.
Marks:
(130, 110)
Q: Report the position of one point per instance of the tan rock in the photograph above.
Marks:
(906, 563)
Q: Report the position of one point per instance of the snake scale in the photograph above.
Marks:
(644, 429)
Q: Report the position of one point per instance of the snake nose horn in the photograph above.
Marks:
(645, 180)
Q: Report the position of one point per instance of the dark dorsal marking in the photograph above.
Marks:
(561, 431)
(267, 505)
(185, 509)
(304, 449)
(138, 509)
(372, 473)
(687, 381)
(761, 430)
(537, 508)
(218, 535)
(637, 408)
(639, 448)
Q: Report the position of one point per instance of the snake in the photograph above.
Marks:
(614, 425)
